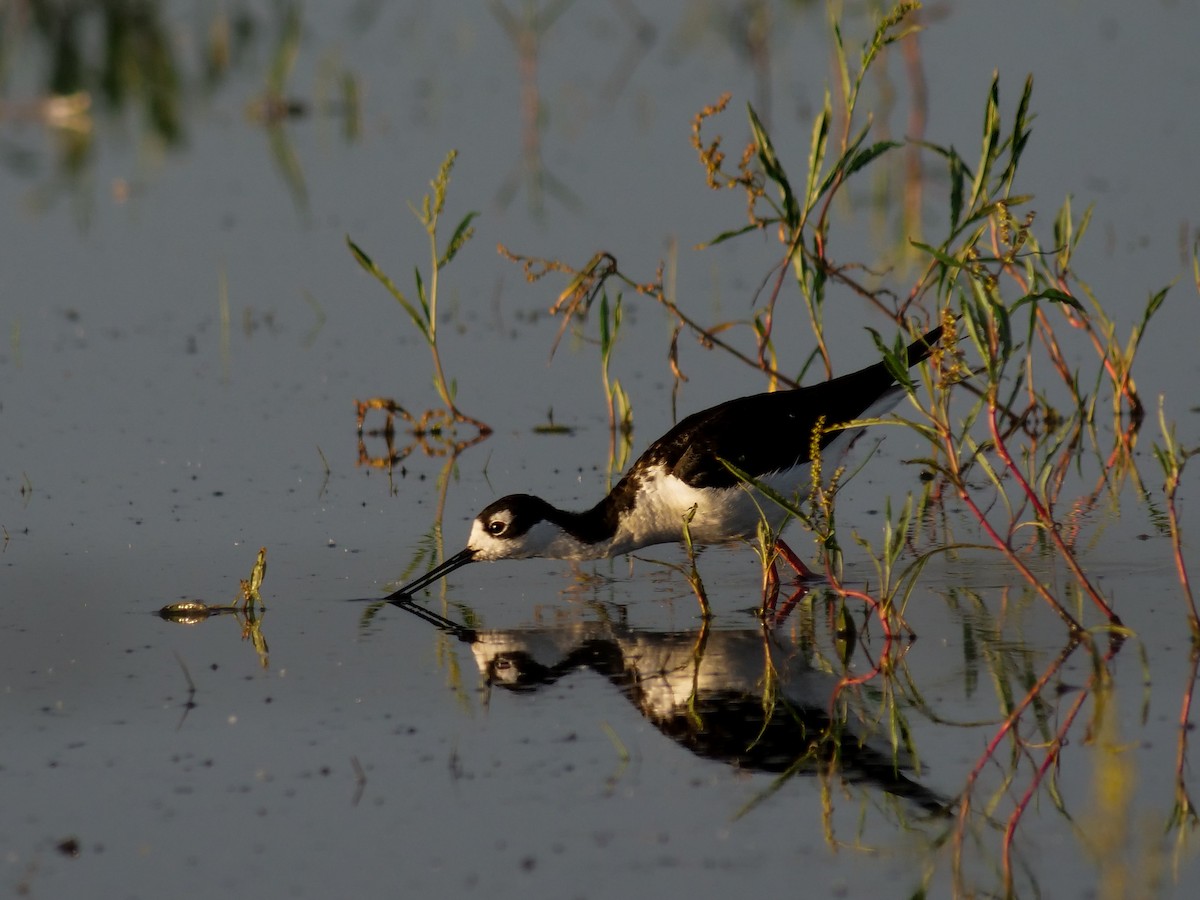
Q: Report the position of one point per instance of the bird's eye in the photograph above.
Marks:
(496, 527)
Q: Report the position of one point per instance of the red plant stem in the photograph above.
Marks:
(1120, 381)
(1008, 726)
(1180, 565)
(1052, 754)
(1002, 545)
(1060, 738)
(704, 334)
(796, 245)
(1044, 517)
(882, 611)
(1184, 728)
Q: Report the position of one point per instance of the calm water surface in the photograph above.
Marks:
(186, 334)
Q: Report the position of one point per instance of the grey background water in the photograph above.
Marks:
(147, 450)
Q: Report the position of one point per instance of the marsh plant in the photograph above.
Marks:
(1003, 416)
(1027, 411)
(423, 313)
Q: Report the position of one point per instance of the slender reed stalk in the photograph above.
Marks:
(424, 313)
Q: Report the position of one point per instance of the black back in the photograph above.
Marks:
(782, 423)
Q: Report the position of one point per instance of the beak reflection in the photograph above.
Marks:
(457, 561)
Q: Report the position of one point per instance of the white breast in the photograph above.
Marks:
(720, 515)
(726, 514)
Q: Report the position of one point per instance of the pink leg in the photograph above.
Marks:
(789, 605)
(803, 572)
(770, 587)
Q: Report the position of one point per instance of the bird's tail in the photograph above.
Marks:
(923, 346)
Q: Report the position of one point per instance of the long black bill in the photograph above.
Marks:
(457, 561)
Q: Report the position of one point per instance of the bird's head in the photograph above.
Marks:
(515, 527)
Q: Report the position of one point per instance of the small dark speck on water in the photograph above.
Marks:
(1143, 537)
(68, 847)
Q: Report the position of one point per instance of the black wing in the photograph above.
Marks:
(768, 432)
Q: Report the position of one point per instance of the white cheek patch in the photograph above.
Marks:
(485, 545)
(542, 539)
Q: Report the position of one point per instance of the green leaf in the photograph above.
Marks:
(1063, 229)
(816, 152)
(462, 234)
(1155, 302)
(999, 319)
(958, 171)
(1152, 307)
(773, 169)
(360, 255)
(895, 359)
(766, 490)
(606, 336)
(864, 157)
(421, 293)
(727, 235)
(1052, 294)
(940, 255)
(1020, 135)
(975, 321)
(369, 265)
(991, 141)
(843, 68)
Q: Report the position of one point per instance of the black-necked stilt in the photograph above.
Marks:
(756, 700)
(767, 436)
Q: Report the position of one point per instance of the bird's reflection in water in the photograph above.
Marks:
(753, 698)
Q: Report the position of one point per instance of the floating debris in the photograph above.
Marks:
(193, 612)
(190, 612)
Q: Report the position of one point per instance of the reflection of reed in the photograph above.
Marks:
(249, 614)
(1183, 818)
(433, 432)
(526, 34)
(193, 612)
(749, 698)
(805, 700)
(431, 547)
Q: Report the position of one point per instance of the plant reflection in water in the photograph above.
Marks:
(756, 698)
